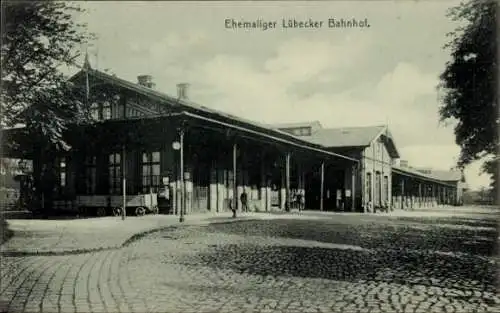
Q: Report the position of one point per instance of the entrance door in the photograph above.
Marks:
(335, 183)
(312, 191)
(201, 180)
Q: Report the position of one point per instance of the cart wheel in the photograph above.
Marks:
(155, 210)
(82, 211)
(101, 212)
(117, 211)
(140, 211)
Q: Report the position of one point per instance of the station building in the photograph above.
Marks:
(152, 141)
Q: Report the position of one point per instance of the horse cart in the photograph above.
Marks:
(103, 205)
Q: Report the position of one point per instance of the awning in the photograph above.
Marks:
(422, 176)
(122, 130)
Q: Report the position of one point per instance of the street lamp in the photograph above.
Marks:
(178, 145)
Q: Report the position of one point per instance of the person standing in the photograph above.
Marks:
(302, 199)
(298, 198)
(244, 201)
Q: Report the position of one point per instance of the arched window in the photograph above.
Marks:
(117, 109)
(386, 195)
(369, 186)
(94, 111)
(106, 110)
(60, 167)
(378, 189)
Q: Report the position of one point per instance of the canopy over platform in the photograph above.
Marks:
(408, 172)
(17, 143)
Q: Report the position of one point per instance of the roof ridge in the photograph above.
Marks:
(344, 127)
(166, 97)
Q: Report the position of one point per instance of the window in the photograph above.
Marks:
(150, 171)
(90, 175)
(306, 131)
(132, 113)
(106, 110)
(300, 131)
(369, 186)
(62, 172)
(94, 111)
(117, 109)
(114, 173)
(386, 188)
(378, 188)
(60, 169)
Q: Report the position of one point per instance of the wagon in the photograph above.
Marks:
(113, 204)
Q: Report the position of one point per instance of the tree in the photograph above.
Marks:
(38, 38)
(491, 167)
(469, 82)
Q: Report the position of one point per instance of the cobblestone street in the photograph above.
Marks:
(335, 264)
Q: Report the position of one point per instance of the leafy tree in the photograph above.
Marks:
(469, 83)
(491, 167)
(38, 39)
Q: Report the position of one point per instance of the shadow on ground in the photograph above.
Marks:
(432, 255)
(5, 232)
(371, 235)
(349, 265)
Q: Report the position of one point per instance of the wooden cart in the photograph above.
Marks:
(113, 204)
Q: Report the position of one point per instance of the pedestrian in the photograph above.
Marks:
(244, 201)
(168, 201)
(299, 200)
(302, 200)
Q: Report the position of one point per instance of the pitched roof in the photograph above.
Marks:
(346, 137)
(414, 172)
(451, 176)
(444, 175)
(447, 175)
(187, 105)
(163, 97)
(327, 138)
(315, 125)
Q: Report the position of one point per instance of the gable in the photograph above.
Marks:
(110, 98)
(379, 150)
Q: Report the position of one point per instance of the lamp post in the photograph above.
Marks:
(178, 145)
(124, 182)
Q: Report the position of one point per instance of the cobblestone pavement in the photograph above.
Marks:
(280, 265)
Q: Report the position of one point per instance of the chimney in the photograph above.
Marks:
(146, 81)
(403, 163)
(182, 89)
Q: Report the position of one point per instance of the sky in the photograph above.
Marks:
(385, 74)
